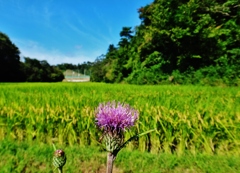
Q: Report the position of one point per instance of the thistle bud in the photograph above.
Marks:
(113, 140)
(59, 159)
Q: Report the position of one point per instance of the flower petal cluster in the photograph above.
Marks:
(112, 116)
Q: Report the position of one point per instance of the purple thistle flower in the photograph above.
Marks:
(115, 117)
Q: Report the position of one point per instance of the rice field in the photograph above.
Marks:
(186, 118)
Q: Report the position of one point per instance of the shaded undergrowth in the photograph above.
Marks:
(37, 157)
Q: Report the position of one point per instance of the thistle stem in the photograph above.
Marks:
(60, 170)
(110, 159)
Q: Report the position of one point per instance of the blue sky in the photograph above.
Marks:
(70, 31)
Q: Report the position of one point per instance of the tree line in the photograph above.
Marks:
(31, 70)
(178, 41)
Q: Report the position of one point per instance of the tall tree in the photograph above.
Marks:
(97, 70)
(126, 32)
(9, 60)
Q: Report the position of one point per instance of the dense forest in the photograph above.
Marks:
(179, 42)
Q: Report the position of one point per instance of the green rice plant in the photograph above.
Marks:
(187, 118)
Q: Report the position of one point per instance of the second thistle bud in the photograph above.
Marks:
(59, 158)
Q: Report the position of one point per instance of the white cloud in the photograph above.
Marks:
(33, 49)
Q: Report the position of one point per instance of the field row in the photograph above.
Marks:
(198, 119)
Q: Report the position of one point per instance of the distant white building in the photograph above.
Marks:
(72, 76)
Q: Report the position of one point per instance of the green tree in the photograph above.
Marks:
(126, 32)
(9, 60)
(191, 34)
(97, 70)
(40, 71)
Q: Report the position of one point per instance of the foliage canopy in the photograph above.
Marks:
(178, 41)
